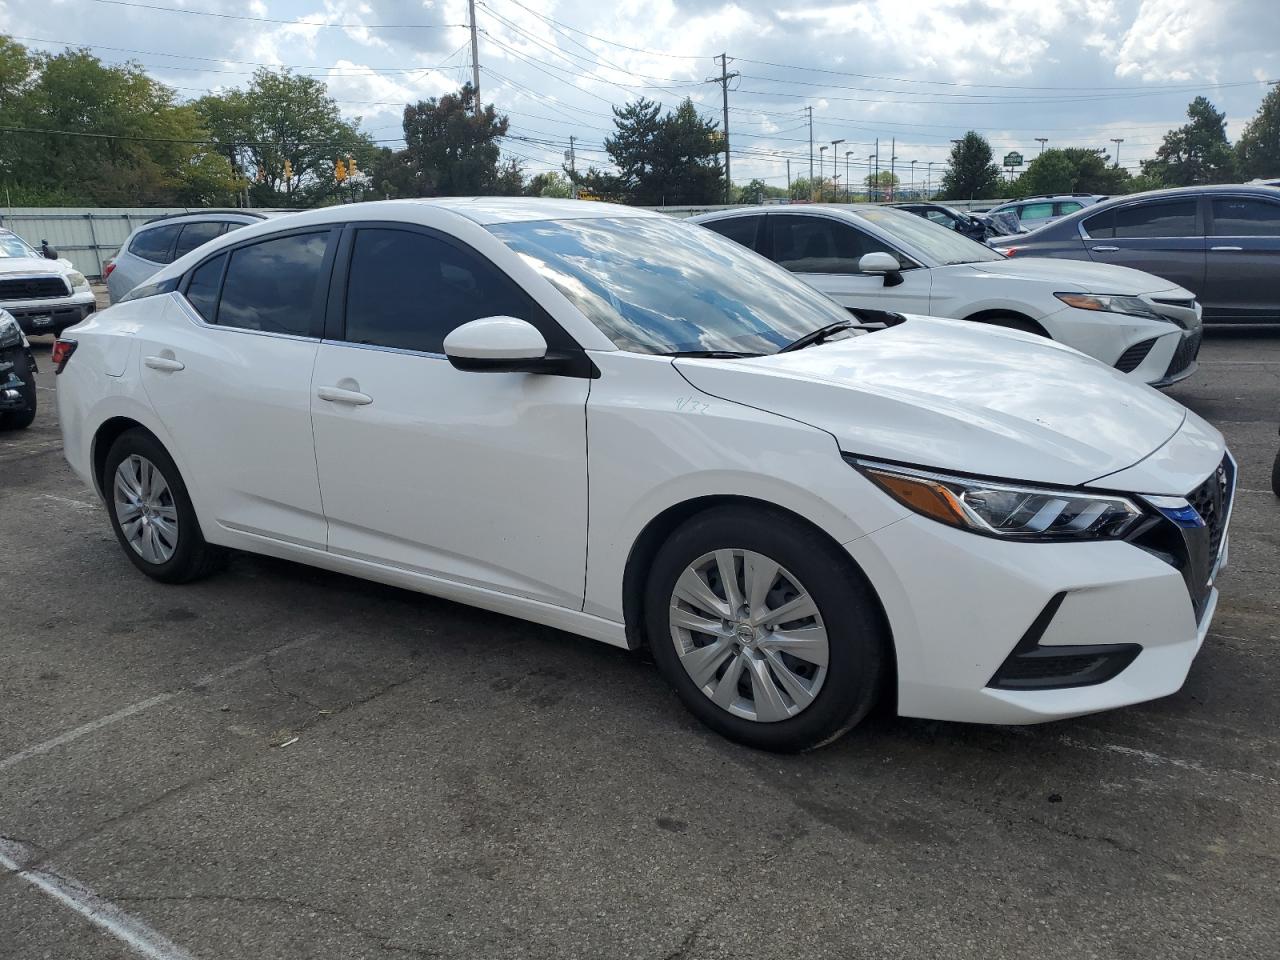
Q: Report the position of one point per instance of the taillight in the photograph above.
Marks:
(1008, 251)
(62, 351)
(107, 268)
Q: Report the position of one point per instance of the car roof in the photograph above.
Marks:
(487, 210)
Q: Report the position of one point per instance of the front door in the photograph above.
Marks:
(479, 478)
(824, 252)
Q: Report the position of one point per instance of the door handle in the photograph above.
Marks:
(1234, 249)
(338, 395)
(167, 364)
(1104, 249)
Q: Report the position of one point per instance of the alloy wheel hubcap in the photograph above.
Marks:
(145, 509)
(749, 635)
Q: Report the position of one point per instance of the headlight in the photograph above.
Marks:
(10, 332)
(1133, 306)
(1005, 510)
(77, 279)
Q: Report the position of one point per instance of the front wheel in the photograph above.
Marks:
(151, 511)
(767, 631)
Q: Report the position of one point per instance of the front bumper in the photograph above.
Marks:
(39, 317)
(1155, 352)
(959, 605)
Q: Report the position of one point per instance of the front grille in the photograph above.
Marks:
(1130, 359)
(1212, 500)
(1186, 353)
(32, 288)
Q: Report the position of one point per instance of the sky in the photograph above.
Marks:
(913, 74)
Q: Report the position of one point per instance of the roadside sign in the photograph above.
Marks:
(1013, 159)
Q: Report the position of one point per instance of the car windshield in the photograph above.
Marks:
(11, 245)
(658, 285)
(943, 246)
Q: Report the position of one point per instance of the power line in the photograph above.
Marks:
(292, 23)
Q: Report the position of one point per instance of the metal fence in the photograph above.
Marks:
(83, 235)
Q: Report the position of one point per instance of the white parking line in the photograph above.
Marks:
(141, 705)
(69, 501)
(73, 895)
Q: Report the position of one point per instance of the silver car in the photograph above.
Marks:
(1033, 212)
(165, 239)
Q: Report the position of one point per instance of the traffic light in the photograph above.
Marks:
(351, 167)
(288, 169)
(339, 170)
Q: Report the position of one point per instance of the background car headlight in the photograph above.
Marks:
(1133, 306)
(1009, 511)
(77, 279)
(10, 332)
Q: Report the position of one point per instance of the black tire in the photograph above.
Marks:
(858, 640)
(1275, 476)
(21, 419)
(1010, 322)
(192, 557)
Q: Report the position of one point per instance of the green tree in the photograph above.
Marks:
(1071, 170)
(285, 135)
(453, 151)
(660, 160)
(883, 185)
(1197, 152)
(1259, 146)
(549, 184)
(753, 192)
(971, 173)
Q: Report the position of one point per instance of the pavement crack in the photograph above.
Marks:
(682, 951)
(286, 692)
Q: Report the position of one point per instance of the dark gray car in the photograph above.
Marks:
(1220, 242)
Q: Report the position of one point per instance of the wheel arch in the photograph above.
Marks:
(993, 315)
(657, 530)
(107, 433)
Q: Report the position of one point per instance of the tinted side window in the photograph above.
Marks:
(202, 291)
(1035, 211)
(273, 285)
(1101, 226)
(194, 234)
(1068, 206)
(155, 244)
(1245, 217)
(409, 290)
(1160, 218)
(820, 245)
(738, 229)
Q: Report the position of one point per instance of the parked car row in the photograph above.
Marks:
(639, 430)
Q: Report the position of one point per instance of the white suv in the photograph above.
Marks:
(877, 258)
(1034, 212)
(43, 295)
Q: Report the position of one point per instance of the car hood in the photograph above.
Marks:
(957, 397)
(31, 267)
(1076, 276)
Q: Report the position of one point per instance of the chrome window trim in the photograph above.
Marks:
(193, 315)
(426, 354)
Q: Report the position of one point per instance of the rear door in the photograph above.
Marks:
(1242, 282)
(229, 374)
(743, 230)
(824, 252)
(1162, 236)
(477, 478)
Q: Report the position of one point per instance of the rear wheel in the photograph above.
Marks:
(22, 418)
(151, 511)
(767, 631)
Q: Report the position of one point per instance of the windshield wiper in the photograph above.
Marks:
(817, 336)
(712, 354)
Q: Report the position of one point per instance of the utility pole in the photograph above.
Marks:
(848, 185)
(822, 150)
(788, 179)
(1042, 141)
(810, 109)
(723, 80)
(875, 178)
(893, 159)
(913, 178)
(475, 56)
(835, 166)
(1117, 141)
(572, 157)
(928, 179)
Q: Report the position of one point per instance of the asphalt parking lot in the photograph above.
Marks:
(280, 762)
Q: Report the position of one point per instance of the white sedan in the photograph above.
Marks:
(880, 258)
(627, 427)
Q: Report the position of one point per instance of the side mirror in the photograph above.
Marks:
(497, 345)
(48, 251)
(880, 262)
